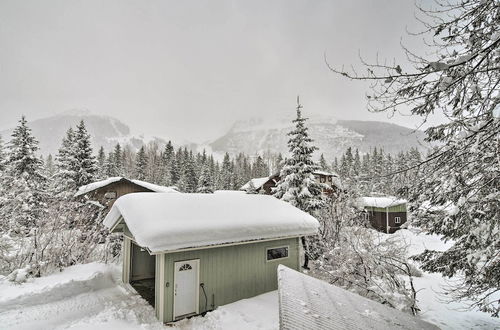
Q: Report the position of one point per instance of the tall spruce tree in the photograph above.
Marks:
(23, 184)
(205, 185)
(141, 163)
(297, 184)
(86, 162)
(101, 163)
(2, 155)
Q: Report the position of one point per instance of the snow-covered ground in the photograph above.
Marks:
(91, 297)
(434, 306)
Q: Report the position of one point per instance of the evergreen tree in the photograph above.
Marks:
(86, 163)
(2, 155)
(167, 160)
(23, 183)
(50, 167)
(323, 165)
(101, 164)
(117, 160)
(297, 184)
(205, 185)
(226, 173)
(259, 168)
(140, 164)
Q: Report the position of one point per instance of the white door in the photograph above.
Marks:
(186, 290)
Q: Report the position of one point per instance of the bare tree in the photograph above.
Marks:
(459, 77)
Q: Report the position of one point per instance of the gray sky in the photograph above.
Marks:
(188, 69)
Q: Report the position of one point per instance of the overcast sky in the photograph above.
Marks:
(188, 69)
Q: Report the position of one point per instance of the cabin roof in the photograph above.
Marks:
(103, 183)
(381, 202)
(166, 222)
(257, 183)
(309, 303)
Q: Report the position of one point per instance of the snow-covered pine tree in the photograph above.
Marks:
(117, 160)
(86, 170)
(297, 184)
(323, 164)
(101, 164)
(2, 155)
(24, 198)
(459, 76)
(66, 166)
(167, 159)
(205, 185)
(226, 173)
(259, 168)
(50, 167)
(141, 163)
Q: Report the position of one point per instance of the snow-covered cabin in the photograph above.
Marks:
(107, 191)
(386, 214)
(265, 185)
(309, 303)
(189, 253)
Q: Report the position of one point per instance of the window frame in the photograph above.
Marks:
(287, 247)
(397, 220)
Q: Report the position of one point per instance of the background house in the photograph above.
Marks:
(189, 253)
(107, 191)
(386, 214)
(265, 185)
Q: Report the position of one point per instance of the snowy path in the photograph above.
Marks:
(88, 297)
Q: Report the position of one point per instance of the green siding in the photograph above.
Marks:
(231, 273)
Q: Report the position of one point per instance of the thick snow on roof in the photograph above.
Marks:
(154, 187)
(257, 183)
(96, 185)
(324, 173)
(103, 183)
(379, 201)
(309, 303)
(164, 222)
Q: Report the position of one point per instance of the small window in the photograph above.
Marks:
(277, 253)
(329, 179)
(397, 219)
(322, 179)
(366, 216)
(110, 195)
(185, 267)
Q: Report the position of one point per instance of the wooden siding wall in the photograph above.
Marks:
(230, 273)
(121, 188)
(378, 220)
(143, 264)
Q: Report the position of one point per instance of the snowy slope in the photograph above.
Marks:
(90, 297)
(258, 135)
(105, 131)
(434, 305)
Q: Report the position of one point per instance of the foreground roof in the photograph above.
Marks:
(380, 201)
(309, 303)
(166, 222)
(103, 183)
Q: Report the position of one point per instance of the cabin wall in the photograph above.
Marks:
(378, 220)
(121, 188)
(229, 273)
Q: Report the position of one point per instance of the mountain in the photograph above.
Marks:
(331, 136)
(105, 131)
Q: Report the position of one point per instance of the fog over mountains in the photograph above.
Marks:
(251, 136)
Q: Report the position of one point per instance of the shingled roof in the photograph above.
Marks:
(308, 303)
